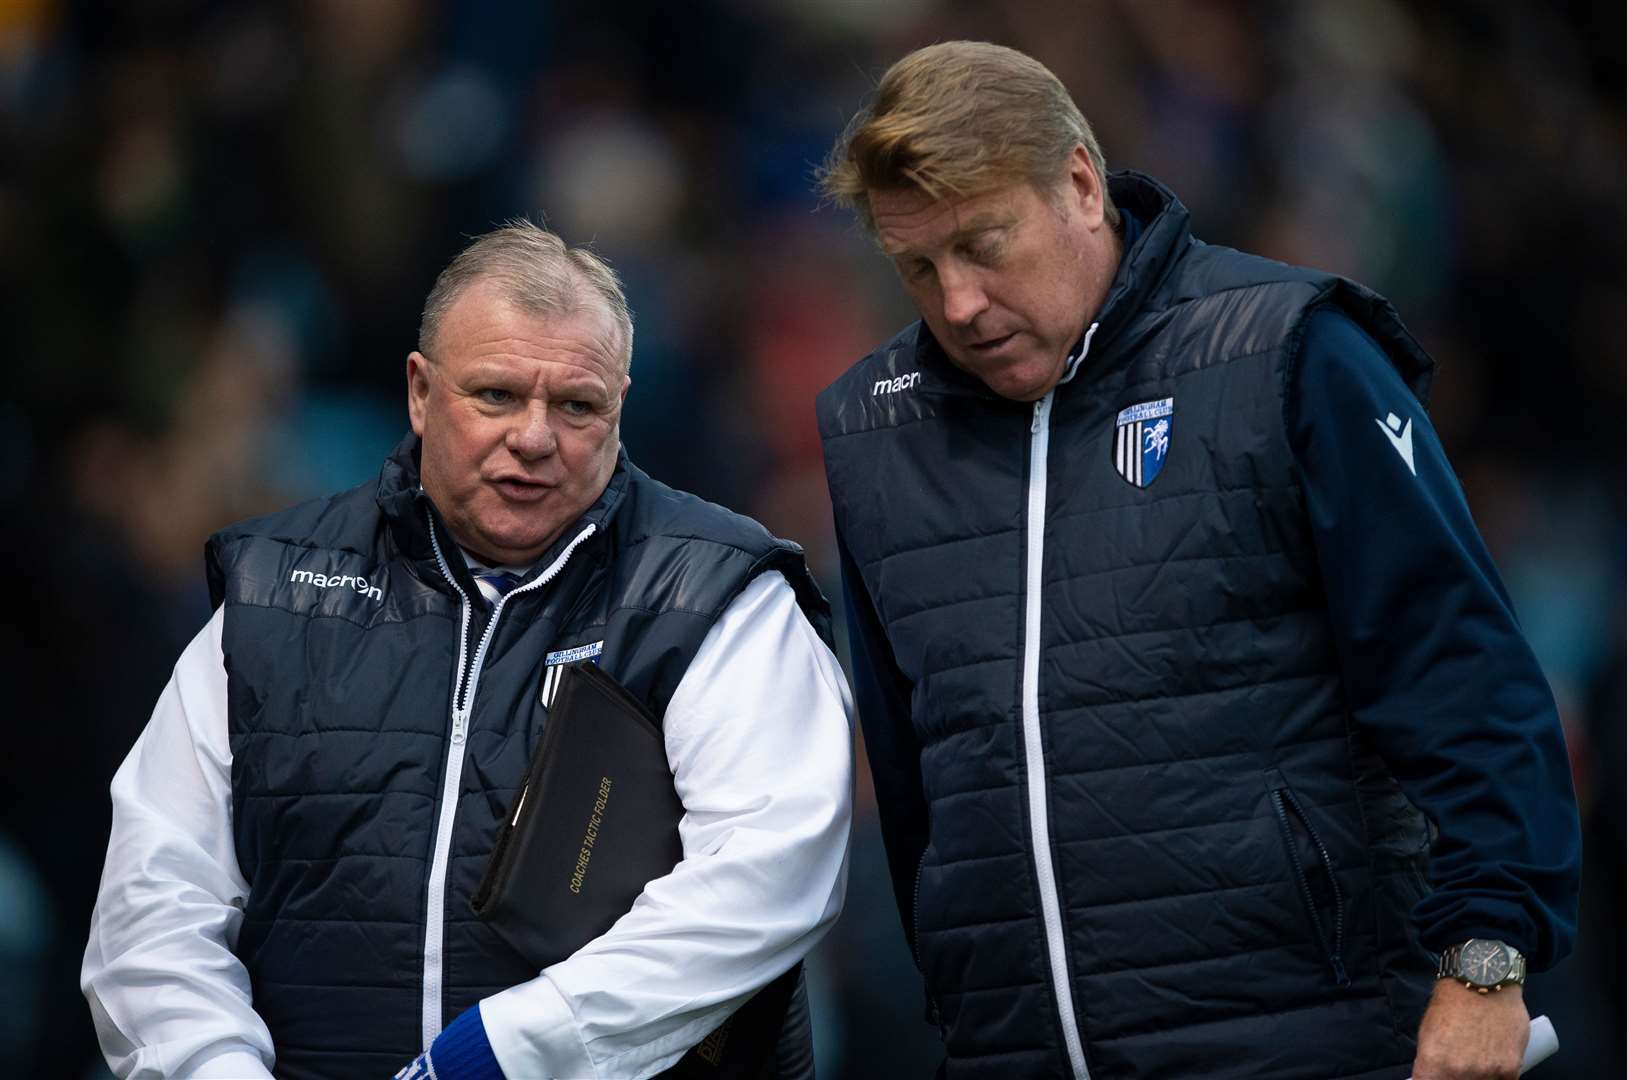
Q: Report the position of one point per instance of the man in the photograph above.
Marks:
(297, 834)
(1170, 630)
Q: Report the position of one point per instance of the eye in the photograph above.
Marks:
(492, 395)
(577, 408)
(985, 251)
(916, 269)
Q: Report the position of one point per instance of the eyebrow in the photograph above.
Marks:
(572, 384)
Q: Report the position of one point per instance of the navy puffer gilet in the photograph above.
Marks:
(1234, 866)
(342, 646)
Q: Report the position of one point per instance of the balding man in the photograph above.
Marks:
(297, 834)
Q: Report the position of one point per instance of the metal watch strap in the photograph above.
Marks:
(1448, 967)
(1451, 959)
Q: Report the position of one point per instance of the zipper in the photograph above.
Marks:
(932, 1015)
(463, 698)
(915, 927)
(1282, 799)
(1038, 785)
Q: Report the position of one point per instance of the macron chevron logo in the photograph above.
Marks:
(1400, 436)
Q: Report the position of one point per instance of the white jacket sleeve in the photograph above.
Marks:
(758, 737)
(168, 996)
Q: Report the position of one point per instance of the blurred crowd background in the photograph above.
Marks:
(218, 222)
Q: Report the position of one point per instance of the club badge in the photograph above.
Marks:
(1141, 440)
(555, 663)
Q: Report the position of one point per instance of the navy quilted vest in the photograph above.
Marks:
(1233, 867)
(342, 646)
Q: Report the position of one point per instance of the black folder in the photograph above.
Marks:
(596, 820)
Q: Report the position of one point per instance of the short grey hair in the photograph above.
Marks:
(537, 271)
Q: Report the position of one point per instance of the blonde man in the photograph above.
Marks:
(1179, 659)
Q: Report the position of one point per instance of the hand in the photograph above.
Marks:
(1467, 1035)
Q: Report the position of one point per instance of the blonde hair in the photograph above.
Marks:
(956, 119)
(535, 270)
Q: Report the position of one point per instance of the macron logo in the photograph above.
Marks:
(1400, 436)
(336, 581)
(893, 386)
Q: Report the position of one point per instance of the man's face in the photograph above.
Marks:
(1007, 280)
(520, 419)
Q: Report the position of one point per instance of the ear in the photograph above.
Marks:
(418, 375)
(626, 385)
(1086, 187)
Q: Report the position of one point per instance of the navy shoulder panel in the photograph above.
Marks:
(344, 521)
(321, 558)
(1248, 297)
(1207, 269)
(881, 390)
(679, 551)
(655, 510)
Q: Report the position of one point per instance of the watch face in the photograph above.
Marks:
(1485, 963)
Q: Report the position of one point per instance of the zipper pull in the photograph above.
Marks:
(460, 722)
(1039, 412)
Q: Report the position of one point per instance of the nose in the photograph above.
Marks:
(963, 297)
(531, 437)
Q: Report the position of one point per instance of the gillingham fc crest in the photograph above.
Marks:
(1141, 440)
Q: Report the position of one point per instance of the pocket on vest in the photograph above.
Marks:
(1313, 873)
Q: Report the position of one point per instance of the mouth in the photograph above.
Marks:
(989, 346)
(519, 489)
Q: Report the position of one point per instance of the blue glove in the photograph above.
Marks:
(461, 1052)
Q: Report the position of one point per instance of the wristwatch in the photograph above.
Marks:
(1483, 964)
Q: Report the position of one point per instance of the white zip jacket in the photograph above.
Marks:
(758, 737)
